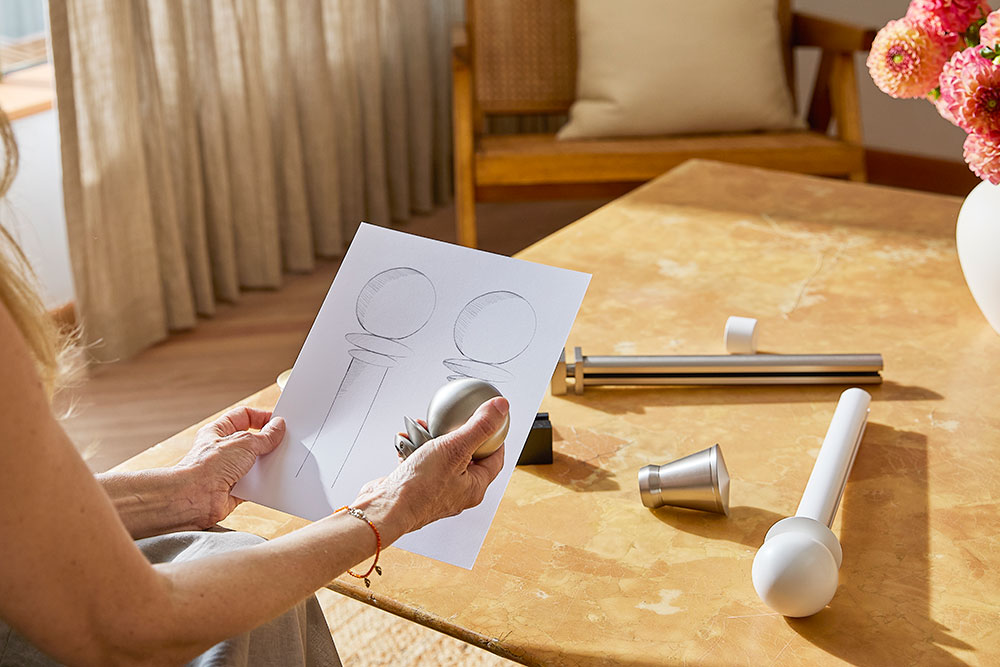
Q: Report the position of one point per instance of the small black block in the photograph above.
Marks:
(538, 448)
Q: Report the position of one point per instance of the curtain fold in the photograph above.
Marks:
(315, 93)
(178, 299)
(181, 127)
(365, 42)
(342, 67)
(211, 149)
(211, 145)
(251, 174)
(109, 215)
(282, 108)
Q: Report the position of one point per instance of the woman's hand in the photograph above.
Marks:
(197, 492)
(440, 479)
(223, 452)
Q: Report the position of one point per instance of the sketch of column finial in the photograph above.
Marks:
(393, 305)
(484, 353)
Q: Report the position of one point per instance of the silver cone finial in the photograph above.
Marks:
(698, 481)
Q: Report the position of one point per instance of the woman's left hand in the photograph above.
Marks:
(223, 452)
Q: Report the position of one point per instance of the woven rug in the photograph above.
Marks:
(368, 636)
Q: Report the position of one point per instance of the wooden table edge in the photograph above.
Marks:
(427, 620)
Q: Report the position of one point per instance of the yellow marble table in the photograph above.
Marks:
(576, 571)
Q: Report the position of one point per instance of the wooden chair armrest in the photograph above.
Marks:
(460, 43)
(830, 35)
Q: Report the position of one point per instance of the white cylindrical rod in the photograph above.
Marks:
(833, 465)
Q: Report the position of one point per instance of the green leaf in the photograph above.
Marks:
(971, 34)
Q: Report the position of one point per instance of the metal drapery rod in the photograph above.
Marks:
(726, 369)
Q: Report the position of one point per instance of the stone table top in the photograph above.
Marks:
(576, 571)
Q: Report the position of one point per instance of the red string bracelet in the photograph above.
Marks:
(358, 514)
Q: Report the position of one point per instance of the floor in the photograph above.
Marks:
(123, 408)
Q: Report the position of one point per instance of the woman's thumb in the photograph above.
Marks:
(270, 436)
(487, 420)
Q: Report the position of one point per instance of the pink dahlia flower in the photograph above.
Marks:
(970, 84)
(982, 152)
(989, 34)
(948, 16)
(948, 88)
(906, 58)
(943, 104)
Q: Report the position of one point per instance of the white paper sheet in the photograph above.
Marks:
(404, 315)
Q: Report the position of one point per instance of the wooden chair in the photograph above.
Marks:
(516, 57)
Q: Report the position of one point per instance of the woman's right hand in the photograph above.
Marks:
(440, 479)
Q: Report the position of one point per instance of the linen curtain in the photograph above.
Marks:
(210, 145)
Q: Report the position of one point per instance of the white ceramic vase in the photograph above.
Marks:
(978, 237)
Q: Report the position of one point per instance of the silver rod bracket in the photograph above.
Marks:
(560, 384)
(578, 368)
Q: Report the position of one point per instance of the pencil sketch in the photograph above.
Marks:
(484, 352)
(392, 306)
(375, 353)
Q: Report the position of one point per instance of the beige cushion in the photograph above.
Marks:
(661, 67)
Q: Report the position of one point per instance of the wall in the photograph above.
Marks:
(901, 126)
(33, 210)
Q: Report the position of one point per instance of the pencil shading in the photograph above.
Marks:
(484, 353)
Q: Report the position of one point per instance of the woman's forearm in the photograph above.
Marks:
(208, 600)
(154, 502)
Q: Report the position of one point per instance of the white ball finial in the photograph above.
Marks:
(794, 575)
(795, 571)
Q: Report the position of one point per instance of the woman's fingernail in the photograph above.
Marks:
(503, 405)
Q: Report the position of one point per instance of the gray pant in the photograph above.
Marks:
(300, 636)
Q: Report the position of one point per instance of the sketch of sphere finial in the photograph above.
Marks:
(396, 303)
(490, 331)
(392, 305)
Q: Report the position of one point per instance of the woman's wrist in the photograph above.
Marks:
(157, 501)
(387, 513)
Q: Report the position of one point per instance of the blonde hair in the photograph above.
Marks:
(49, 347)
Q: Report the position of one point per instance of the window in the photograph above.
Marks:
(22, 34)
